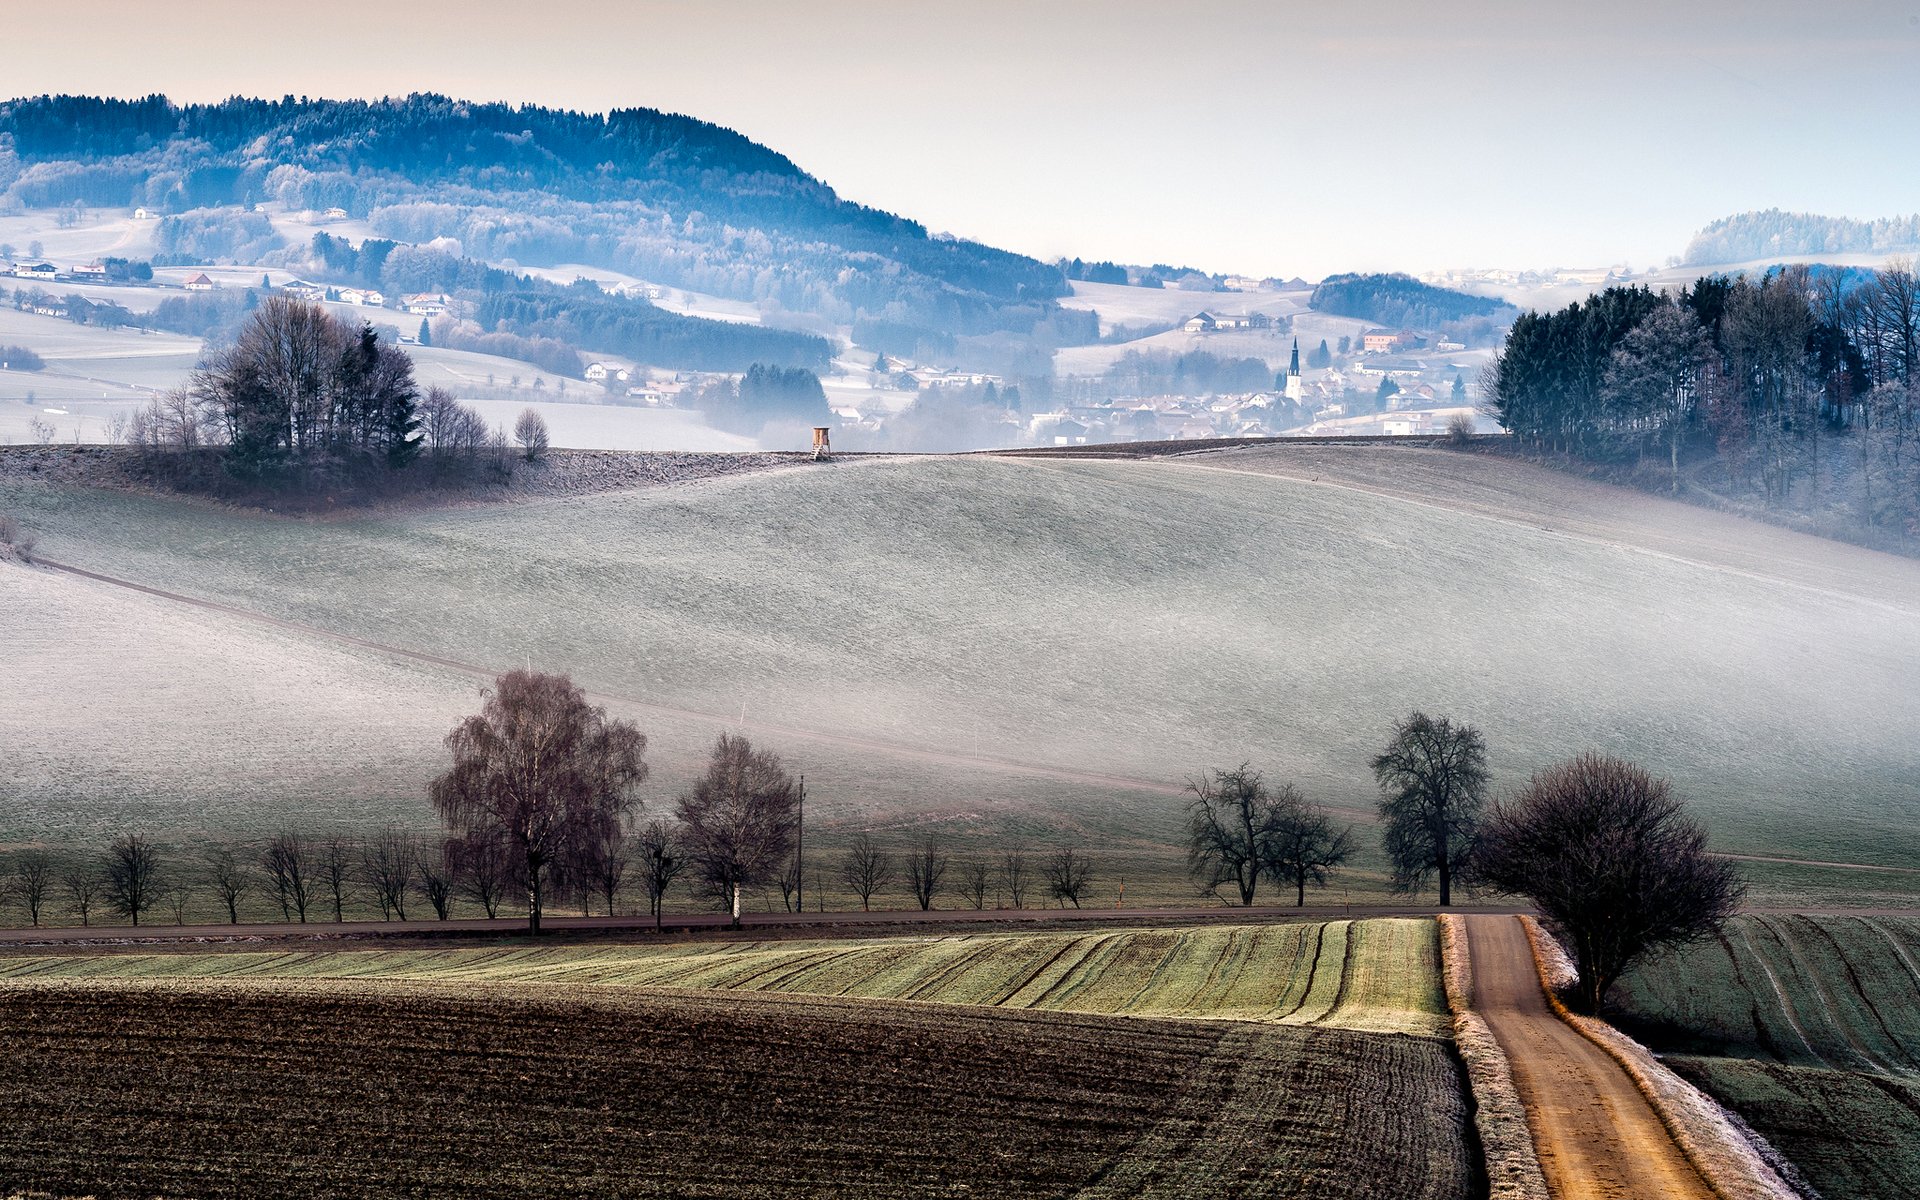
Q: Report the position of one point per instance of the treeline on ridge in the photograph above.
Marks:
(1797, 388)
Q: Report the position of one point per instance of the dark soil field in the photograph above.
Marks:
(399, 1090)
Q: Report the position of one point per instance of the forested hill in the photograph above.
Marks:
(665, 197)
(1401, 300)
(1773, 234)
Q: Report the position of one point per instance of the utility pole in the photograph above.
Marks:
(799, 852)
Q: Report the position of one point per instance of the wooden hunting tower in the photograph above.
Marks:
(822, 450)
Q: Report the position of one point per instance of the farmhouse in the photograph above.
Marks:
(428, 304)
(43, 270)
(300, 289)
(200, 283)
(602, 371)
(92, 270)
(146, 214)
(363, 299)
(1210, 322)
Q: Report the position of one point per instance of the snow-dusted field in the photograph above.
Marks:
(1136, 619)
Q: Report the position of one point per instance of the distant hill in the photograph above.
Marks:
(1401, 300)
(668, 198)
(1747, 236)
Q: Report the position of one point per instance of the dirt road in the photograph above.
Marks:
(1596, 1135)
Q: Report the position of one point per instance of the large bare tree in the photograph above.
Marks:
(1618, 870)
(1230, 819)
(543, 771)
(1433, 785)
(1015, 877)
(130, 875)
(32, 881)
(388, 864)
(738, 821)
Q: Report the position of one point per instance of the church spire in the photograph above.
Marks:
(1293, 368)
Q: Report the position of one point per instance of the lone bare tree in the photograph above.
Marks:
(1303, 848)
(1616, 868)
(926, 867)
(1015, 878)
(739, 820)
(289, 869)
(230, 880)
(1433, 785)
(661, 861)
(866, 868)
(130, 875)
(543, 771)
(531, 432)
(1069, 875)
(1230, 820)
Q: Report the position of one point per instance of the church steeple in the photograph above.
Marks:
(1293, 368)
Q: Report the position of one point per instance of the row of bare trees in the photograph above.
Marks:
(1065, 876)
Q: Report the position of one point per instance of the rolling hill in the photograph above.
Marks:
(1024, 650)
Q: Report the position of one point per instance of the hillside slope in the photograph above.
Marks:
(1114, 626)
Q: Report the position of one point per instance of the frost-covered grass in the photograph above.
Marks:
(1375, 975)
(1506, 1142)
(1137, 619)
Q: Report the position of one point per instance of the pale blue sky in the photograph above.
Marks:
(1278, 138)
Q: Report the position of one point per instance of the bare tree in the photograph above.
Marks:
(1015, 878)
(602, 865)
(230, 880)
(542, 771)
(1605, 852)
(435, 869)
(926, 867)
(178, 897)
(387, 866)
(975, 882)
(130, 874)
(32, 881)
(1302, 847)
(1433, 784)
(483, 871)
(661, 860)
(530, 431)
(1229, 822)
(1069, 876)
(289, 874)
(336, 872)
(866, 868)
(82, 884)
(738, 820)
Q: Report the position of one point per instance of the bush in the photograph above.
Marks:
(1460, 429)
(19, 358)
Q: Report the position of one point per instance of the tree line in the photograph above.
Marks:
(1797, 388)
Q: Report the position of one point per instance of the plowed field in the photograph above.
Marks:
(223, 1088)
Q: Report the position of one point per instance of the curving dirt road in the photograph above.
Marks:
(1597, 1137)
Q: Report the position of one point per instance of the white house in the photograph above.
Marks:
(428, 304)
(43, 271)
(334, 214)
(300, 289)
(92, 270)
(200, 283)
(146, 214)
(601, 371)
(366, 299)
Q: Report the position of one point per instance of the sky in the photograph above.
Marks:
(1272, 139)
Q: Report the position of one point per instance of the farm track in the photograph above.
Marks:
(1596, 1135)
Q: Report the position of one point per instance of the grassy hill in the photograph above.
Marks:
(1026, 650)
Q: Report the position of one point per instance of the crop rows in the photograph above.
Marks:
(1823, 991)
(1809, 1028)
(1380, 975)
(241, 1088)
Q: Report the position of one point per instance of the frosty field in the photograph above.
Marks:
(1042, 649)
